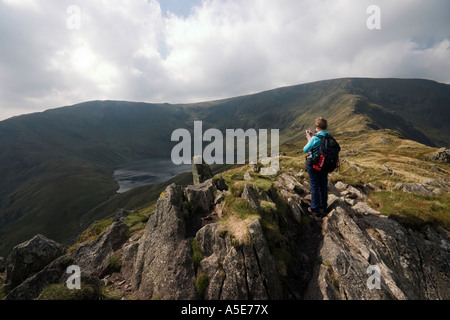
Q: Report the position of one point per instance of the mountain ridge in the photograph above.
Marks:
(57, 165)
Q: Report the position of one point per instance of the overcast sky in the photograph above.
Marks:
(56, 52)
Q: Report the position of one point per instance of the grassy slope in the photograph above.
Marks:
(369, 151)
(423, 105)
(408, 160)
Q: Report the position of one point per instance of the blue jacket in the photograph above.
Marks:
(314, 143)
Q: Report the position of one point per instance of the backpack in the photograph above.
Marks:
(326, 158)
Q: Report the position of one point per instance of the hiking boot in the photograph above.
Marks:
(313, 213)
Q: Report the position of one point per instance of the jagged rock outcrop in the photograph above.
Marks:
(359, 249)
(200, 171)
(249, 194)
(200, 199)
(94, 257)
(244, 272)
(429, 187)
(31, 288)
(30, 257)
(160, 264)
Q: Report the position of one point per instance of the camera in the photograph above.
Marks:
(309, 132)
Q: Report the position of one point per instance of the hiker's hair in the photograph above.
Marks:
(321, 123)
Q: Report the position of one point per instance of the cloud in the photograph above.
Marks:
(22, 4)
(141, 50)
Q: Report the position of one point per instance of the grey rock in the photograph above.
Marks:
(94, 257)
(246, 271)
(201, 197)
(30, 257)
(354, 193)
(435, 183)
(442, 155)
(294, 202)
(364, 208)
(332, 189)
(387, 169)
(341, 186)
(290, 183)
(160, 264)
(411, 265)
(201, 172)
(265, 275)
(415, 188)
(32, 287)
(121, 214)
(248, 176)
(357, 167)
(250, 195)
(219, 183)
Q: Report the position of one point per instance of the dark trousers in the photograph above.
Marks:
(318, 182)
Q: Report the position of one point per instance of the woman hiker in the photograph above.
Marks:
(318, 180)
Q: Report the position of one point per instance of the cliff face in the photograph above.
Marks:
(366, 256)
(192, 248)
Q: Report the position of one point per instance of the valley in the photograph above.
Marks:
(148, 171)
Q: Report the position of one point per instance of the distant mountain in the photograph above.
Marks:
(57, 165)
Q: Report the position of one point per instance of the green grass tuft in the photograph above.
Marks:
(93, 232)
(197, 256)
(115, 263)
(136, 221)
(201, 284)
(89, 291)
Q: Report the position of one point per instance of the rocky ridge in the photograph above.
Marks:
(191, 248)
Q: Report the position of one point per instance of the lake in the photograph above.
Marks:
(143, 172)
